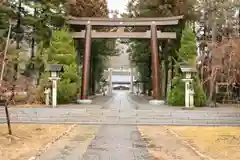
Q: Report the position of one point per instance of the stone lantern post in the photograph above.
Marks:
(55, 70)
(189, 88)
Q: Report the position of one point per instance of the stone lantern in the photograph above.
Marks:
(189, 89)
(55, 70)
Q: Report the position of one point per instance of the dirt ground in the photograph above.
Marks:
(29, 106)
(216, 143)
(26, 139)
(220, 143)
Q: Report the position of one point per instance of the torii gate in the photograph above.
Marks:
(152, 34)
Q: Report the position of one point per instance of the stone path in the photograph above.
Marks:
(118, 142)
(112, 142)
(71, 146)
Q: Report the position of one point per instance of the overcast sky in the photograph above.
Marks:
(119, 5)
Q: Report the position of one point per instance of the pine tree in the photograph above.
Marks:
(187, 54)
(62, 51)
(188, 51)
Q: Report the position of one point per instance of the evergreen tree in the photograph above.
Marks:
(62, 51)
(187, 55)
(188, 51)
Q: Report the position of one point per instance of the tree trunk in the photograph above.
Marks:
(166, 77)
(165, 53)
(33, 38)
(172, 70)
(93, 76)
(214, 41)
(144, 88)
(149, 75)
(5, 54)
(239, 22)
(78, 61)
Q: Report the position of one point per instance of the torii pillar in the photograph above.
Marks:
(155, 68)
(86, 66)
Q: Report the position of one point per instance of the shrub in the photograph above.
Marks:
(66, 91)
(36, 96)
(20, 98)
(176, 95)
(200, 98)
(177, 92)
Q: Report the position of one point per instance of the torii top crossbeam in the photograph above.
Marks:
(95, 21)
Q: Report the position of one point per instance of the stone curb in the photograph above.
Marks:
(48, 145)
(194, 149)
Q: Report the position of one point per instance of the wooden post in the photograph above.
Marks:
(86, 63)
(8, 119)
(155, 64)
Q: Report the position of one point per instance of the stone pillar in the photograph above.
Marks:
(47, 92)
(189, 91)
(54, 80)
(54, 93)
(86, 66)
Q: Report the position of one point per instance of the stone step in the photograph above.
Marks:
(122, 115)
(106, 112)
(130, 119)
(132, 122)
